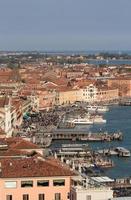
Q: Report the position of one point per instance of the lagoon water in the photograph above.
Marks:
(117, 62)
(118, 118)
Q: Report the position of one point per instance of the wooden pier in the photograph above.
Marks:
(85, 136)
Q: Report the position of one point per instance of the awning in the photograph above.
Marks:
(102, 179)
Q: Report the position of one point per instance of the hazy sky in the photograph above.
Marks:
(65, 24)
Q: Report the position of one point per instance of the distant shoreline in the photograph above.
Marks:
(68, 52)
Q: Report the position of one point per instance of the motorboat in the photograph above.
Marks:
(82, 121)
(123, 152)
(97, 108)
(98, 119)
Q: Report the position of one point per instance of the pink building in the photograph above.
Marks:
(34, 179)
(46, 99)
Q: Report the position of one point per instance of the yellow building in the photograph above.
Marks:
(66, 96)
(108, 94)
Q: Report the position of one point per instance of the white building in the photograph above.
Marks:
(34, 102)
(92, 93)
(86, 189)
(11, 114)
(81, 193)
(89, 93)
(5, 115)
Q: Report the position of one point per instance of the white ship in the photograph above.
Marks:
(98, 119)
(97, 108)
(123, 152)
(82, 121)
(87, 120)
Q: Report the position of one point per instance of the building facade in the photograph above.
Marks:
(34, 179)
(123, 84)
(66, 96)
(92, 93)
(88, 93)
(81, 193)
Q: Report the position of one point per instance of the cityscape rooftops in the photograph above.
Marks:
(32, 167)
(4, 101)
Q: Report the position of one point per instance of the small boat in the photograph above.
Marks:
(123, 152)
(98, 119)
(97, 108)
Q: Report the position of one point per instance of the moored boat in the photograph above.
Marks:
(123, 152)
(98, 119)
(81, 121)
(97, 108)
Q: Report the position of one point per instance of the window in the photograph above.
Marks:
(57, 196)
(43, 183)
(26, 183)
(60, 182)
(8, 197)
(25, 197)
(88, 197)
(68, 195)
(10, 184)
(41, 196)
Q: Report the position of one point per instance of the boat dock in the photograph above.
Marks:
(125, 102)
(118, 151)
(85, 136)
(81, 157)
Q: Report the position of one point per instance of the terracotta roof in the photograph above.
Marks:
(13, 153)
(49, 85)
(32, 167)
(17, 147)
(4, 101)
(61, 81)
(2, 132)
(121, 78)
(2, 112)
(19, 143)
(23, 144)
(83, 83)
(66, 89)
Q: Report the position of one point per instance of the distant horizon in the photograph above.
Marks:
(70, 51)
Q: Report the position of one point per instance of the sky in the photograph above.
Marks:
(58, 25)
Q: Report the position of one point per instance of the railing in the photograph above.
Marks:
(91, 188)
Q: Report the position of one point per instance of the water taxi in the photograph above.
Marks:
(97, 108)
(123, 152)
(98, 119)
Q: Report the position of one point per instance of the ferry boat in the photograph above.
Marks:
(97, 108)
(87, 120)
